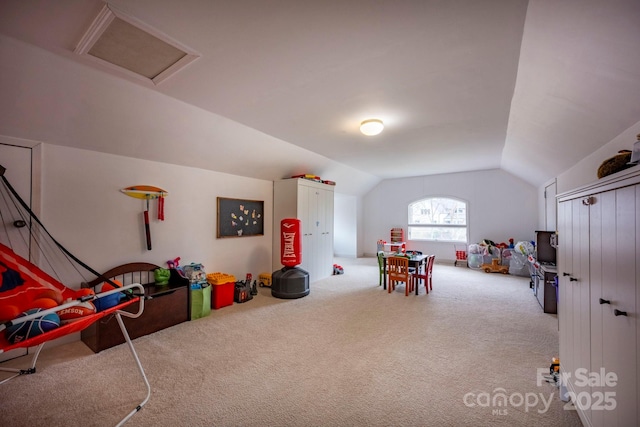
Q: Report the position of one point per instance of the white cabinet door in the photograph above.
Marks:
(325, 221)
(620, 315)
(581, 301)
(574, 309)
(314, 250)
(565, 298)
(602, 235)
(303, 215)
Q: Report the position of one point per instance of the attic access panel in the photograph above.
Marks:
(127, 44)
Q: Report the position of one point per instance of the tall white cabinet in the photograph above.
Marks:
(599, 301)
(312, 203)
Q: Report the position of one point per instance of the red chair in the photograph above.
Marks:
(427, 275)
(381, 267)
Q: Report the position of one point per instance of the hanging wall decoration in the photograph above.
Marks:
(240, 218)
(148, 192)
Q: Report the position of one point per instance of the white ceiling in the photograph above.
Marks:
(531, 87)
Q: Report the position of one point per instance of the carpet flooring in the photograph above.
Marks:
(473, 352)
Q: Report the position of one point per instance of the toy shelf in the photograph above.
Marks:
(397, 235)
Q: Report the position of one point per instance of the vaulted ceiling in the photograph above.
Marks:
(531, 87)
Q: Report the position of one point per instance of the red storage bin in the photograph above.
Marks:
(222, 288)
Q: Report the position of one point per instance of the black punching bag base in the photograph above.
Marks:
(290, 283)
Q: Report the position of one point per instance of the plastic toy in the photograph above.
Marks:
(174, 262)
(265, 280)
(495, 267)
(243, 290)
(161, 276)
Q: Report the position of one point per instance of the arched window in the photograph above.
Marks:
(438, 219)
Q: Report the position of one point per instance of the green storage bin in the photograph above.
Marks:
(200, 300)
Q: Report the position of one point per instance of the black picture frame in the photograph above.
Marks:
(239, 218)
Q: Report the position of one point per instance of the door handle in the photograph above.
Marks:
(604, 301)
(573, 279)
(566, 274)
(619, 313)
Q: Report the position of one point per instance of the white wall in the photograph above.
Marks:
(585, 171)
(501, 206)
(545, 209)
(84, 209)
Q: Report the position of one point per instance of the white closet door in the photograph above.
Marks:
(307, 231)
(565, 266)
(579, 285)
(602, 240)
(325, 228)
(620, 317)
(327, 237)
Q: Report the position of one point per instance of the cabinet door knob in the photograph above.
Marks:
(619, 313)
(566, 274)
(573, 279)
(604, 301)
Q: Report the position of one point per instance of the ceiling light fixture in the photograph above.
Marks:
(371, 127)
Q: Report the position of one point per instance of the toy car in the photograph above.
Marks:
(495, 267)
(265, 280)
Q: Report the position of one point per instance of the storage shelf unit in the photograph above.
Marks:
(397, 235)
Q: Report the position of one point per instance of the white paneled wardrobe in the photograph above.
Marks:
(312, 203)
(599, 298)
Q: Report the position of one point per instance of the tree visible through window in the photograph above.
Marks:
(438, 219)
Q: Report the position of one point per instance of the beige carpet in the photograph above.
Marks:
(348, 354)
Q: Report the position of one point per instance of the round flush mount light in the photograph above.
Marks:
(371, 127)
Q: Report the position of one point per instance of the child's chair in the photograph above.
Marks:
(381, 267)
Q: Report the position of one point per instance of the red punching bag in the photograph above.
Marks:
(290, 242)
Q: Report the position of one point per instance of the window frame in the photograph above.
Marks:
(411, 225)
